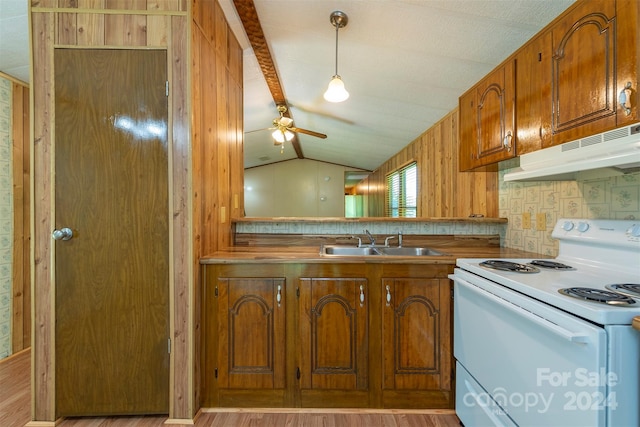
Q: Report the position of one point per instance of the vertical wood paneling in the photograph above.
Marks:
(42, 352)
(183, 262)
(90, 27)
(443, 190)
(21, 283)
(216, 95)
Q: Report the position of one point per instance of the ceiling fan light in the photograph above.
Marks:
(336, 91)
(282, 136)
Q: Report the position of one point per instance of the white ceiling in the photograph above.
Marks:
(404, 62)
(14, 39)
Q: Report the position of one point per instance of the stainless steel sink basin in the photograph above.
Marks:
(347, 251)
(337, 250)
(409, 251)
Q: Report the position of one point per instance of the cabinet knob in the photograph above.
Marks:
(622, 99)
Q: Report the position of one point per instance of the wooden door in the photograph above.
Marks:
(251, 333)
(333, 334)
(111, 189)
(416, 340)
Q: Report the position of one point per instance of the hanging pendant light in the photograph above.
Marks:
(336, 91)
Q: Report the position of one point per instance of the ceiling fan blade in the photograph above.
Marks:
(258, 130)
(308, 132)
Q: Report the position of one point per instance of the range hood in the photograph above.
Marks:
(615, 151)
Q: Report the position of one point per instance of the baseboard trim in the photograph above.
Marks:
(184, 421)
(333, 411)
(42, 423)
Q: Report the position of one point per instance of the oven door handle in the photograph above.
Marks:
(571, 336)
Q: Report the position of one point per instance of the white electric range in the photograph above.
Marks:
(550, 342)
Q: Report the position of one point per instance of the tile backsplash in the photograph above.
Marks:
(324, 227)
(6, 218)
(608, 197)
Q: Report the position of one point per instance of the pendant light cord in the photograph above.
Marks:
(337, 28)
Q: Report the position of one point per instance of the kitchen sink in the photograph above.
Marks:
(338, 250)
(348, 251)
(409, 251)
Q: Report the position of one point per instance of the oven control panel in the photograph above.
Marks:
(607, 231)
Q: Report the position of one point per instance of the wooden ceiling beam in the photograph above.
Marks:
(249, 16)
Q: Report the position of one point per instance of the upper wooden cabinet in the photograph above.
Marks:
(594, 56)
(533, 89)
(487, 121)
(568, 84)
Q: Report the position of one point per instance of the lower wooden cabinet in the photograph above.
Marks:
(416, 337)
(251, 333)
(327, 335)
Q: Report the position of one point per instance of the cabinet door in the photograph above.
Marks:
(416, 340)
(333, 333)
(487, 120)
(251, 333)
(583, 71)
(533, 89)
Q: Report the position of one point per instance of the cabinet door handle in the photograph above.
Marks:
(388, 295)
(361, 296)
(507, 141)
(279, 295)
(622, 99)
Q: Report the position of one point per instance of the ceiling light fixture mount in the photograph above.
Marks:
(336, 91)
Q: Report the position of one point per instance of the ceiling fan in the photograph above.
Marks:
(284, 128)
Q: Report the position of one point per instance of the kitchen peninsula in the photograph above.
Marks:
(284, 326)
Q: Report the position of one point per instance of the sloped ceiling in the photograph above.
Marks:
(404, 62)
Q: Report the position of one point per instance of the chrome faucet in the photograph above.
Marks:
(373, 241)
(399, 239)
(386, 240)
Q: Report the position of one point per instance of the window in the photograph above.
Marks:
(402, 192)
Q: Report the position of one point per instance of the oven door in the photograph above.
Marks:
(538, 365)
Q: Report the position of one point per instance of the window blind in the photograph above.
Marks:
(402, 192)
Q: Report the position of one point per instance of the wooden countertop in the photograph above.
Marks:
(368, 219)
(311, 254)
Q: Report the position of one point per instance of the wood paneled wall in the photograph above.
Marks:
(21, 277)
(205, 134)
(443, 191)
(217, 137)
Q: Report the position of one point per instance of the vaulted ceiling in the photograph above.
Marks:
(404, 63)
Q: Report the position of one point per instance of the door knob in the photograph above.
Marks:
(62, 234)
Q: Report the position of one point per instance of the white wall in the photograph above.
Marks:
(299, 187)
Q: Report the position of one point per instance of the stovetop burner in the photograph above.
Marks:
(629, 289)
(598, 295)
(554, 265)
(498, 264)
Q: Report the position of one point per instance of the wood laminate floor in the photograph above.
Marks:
(15, 410)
